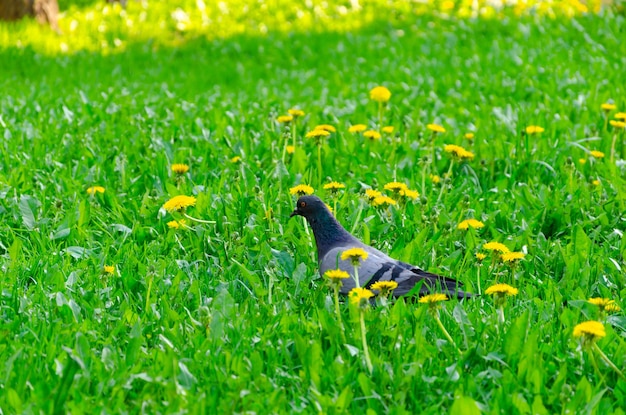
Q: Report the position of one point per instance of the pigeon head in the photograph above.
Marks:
(310, 207)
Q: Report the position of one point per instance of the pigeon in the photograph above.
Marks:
(332, 239)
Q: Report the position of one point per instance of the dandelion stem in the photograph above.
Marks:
(338, 313)
(210, 222)
(500, 313)
(319, 163)
(356, 276)
(613, 147)
(293, 133)
(380, 115)
(448, 175)
(608, 361)
(445, 332)
(366, 351)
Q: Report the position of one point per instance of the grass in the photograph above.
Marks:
(233, 316)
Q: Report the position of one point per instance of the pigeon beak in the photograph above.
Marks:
(294, 213)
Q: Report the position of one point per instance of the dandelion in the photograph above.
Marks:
(372, 194)
(433, 301)
(595, 182)
(500, 292)
(582, 161)
(470, 223)
(388, 129)
(608, 107)
(285, 119)
(496, 246)
(177, 224)
(357, 128)
(589, 332)
(317, 134)
(360, 297)
(512, 256)
(372, 135)
(334, 186)
(469, 136)
(178, 203)
(604, 304)
(326, 127)
(409, 194)
(480, 256)
(180, 168)
(290, 149)
(534, 129)
(95, 189)
(380, 94)
(597, 154)
(301, 190)
(236, 159)
(108, 269)
(434, 178)
(617, 124)
(383, 200)
(395, 187)
(384, 287)
(295, 113)
(355, 255)
(335, 278)
(436, 128)
(458, 152)
(620, 116)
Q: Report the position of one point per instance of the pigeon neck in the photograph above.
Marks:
(328, 232)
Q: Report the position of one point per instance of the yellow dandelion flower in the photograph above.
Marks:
(291, 149)
(336, 275)
(179, 202)
(235, 159)
(435, 178)
(384, 287)
(607, 106)
(354, 255)
(470, 223)
(109, 269)
(95, 189)
(372, 135)
(372, 194)
(180, 168)
(360, 296)
(301, 190)
(383, 200)
(329, 207)
(620, 116)
(596, 182)
(294, 112)
(590, 330)
(617, 124)
(496, 246)
(436, 128)
(380, 94)
(512, 256)
(612, 308)
(534, 129)
(582, 161)
(597, 154)
(284, 119)
(176, 224)
(334, 186)
(458, 151)
(469, 136)
(433, 298)
(480, 256)
(501, 289)
(409, 194)
(357, 128)
(388, 129)
(604, 303)
(317, 134)
(395, 187)
(326, 127)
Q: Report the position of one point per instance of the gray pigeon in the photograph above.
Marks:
(332, 239)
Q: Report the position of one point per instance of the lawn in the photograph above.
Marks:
(110, 303)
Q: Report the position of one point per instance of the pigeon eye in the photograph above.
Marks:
(302, 204)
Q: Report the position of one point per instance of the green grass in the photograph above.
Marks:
(233, 316)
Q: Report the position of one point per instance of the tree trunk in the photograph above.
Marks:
(45, 11)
